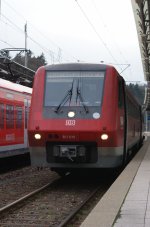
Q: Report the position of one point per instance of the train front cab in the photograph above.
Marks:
(116, 120)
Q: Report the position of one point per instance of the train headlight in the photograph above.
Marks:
(37, 136)
(104, 136)
(71, 114)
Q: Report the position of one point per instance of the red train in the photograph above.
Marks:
(82, 116)
(14, 109)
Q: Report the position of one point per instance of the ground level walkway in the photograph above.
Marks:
(127, 202)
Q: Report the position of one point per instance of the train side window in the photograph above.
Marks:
(1, 115)
(9, 116)
(19, 118)
(120, 94)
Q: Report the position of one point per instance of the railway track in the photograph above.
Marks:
(72, 215)
(22, 199)
(18, 183)
(51, 205)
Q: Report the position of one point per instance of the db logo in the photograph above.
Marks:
(70, 122)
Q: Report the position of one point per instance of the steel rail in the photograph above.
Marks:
(78, 208)
(16, 202)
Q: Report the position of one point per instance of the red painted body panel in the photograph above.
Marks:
(12, 95)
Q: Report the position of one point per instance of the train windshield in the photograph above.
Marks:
(74, 88)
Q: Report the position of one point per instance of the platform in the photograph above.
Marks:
(127, 202)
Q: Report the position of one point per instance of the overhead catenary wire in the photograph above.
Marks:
(14, 26)
(0, 8)
(94, 29)
(108, 30)
(52, 54)
(43, 48)
(37, 43)
(6, 43)
(12, 23)
(47, 50)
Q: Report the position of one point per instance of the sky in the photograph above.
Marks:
(93, 31)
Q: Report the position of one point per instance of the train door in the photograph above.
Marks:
(123, 115)
(26, 116)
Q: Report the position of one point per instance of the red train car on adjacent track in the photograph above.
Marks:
(15, 102)
(82, 116)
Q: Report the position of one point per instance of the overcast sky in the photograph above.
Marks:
(71, 31)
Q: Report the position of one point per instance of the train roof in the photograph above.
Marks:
(14, 87)
(77, 67)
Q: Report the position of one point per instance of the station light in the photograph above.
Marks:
(104, 136)
(37, 136)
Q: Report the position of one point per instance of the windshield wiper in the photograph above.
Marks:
(81, 98)
(66, 98)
